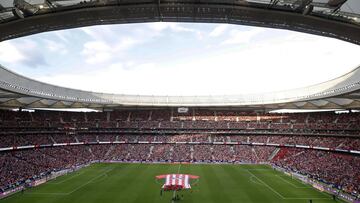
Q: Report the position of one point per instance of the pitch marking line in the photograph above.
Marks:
(104, 176)
(256, 182)
(307, 198)
(47, 193)
(290, 183)
(74, 190)
(66, 179)
(174, 193)
(302, 183)
(286, 198)
(259, 169)
(90, 181)
(282, 197)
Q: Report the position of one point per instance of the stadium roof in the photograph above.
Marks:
(19, 91)
(333, 18)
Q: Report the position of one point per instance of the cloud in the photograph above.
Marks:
(218, 30)
(22, 52)
(63, 35)
(137, 59)
(159, 27)
(55, 46)
(240, 37)
(9, 53)
(99, 51)
(265, 66)
(109, 43)
(107, 33)
(106, 43)
(96, 52)
(34, 54)
(114, 78)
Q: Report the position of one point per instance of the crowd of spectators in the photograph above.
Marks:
(18, 166)
(340, 170)
(193, 119)
(21, 165)
(311, 129)
(332, 142)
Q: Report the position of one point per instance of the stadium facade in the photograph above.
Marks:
(20, 92)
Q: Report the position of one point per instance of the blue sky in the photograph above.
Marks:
(179, 58)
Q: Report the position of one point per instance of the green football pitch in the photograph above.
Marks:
(122, 183)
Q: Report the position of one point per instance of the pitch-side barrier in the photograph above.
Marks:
(43, 179)
(323, 187)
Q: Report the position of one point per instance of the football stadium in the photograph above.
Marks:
(247, 101)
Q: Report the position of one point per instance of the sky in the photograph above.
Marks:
(179, 58)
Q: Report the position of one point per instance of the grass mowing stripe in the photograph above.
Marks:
(217, 191)
(150, 192)
(233, 183)
(129, 187)
(135, 183)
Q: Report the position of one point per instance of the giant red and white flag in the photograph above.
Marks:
(176, 181)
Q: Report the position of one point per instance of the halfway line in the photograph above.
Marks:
(174, 193)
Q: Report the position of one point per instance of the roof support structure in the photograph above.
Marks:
(27, 8)
(302, 5)
(159, 10)
(336, 3)
(31, 103)
(50, 4)
(273, 3)
(270, 15)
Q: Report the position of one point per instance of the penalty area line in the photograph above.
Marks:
(74, 190)
(295, 198)
(256, 182)
(46, 193)
(285, 198)
(91, 180)
(282, 197)
(290, 183)
(66, 179)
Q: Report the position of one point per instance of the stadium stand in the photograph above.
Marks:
(314, 144)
